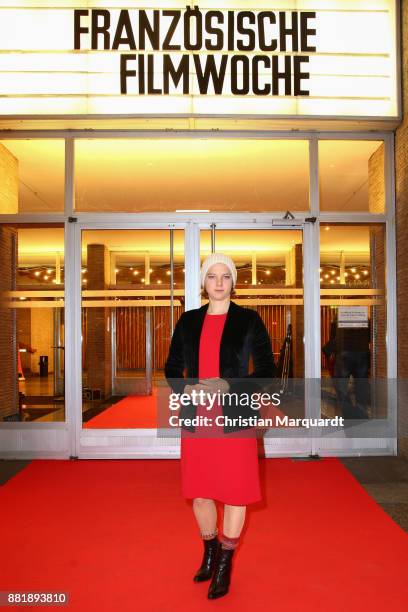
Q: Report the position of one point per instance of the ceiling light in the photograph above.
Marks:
(45, 277)
(37, 273)
(159, 282)
(136, 272)
(365, 272)
(326, 276)
(352, 270)
(327, 228)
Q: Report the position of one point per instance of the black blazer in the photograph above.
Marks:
(244, 334)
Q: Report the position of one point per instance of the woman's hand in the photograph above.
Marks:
(209, 386)
(189, 388)
(214, 385)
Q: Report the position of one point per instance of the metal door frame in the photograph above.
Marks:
(296, 446)
(61, 439)
(105, 443)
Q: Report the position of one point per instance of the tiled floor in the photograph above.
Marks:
(384, 478)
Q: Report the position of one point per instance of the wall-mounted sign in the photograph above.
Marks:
(323, 58)
(352, 316)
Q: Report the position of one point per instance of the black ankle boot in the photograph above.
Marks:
(210, 555)
(222, 574)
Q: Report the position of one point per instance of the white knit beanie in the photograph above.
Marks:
(215, 258)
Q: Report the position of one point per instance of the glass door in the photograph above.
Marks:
(353, 308)
(270, 280)
(132, 293)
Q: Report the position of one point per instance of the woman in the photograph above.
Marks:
(214, 343)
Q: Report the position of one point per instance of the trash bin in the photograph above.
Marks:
(43, 363)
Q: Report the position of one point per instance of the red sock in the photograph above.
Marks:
(229, 543)
(210, 536)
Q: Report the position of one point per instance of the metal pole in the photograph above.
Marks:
(212, 237)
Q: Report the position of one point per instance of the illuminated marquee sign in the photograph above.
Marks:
(236, 31)
(300, 58)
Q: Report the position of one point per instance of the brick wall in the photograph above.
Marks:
(42, 337)
(99, 350)
(8, 182)
(24, 335)
(379, 313)
(401, 178)
(376, 201)
(8, 348)
(376, 183)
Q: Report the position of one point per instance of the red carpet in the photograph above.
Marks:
(117, 535)
(136, 412)
(133, 411)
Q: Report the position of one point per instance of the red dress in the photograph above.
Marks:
(222, 467)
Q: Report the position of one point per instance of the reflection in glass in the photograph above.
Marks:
(270, 280)
(32, 176)
(134, 175)
(353, 321)
(351, 176)
(127, 317)
(32, 323)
